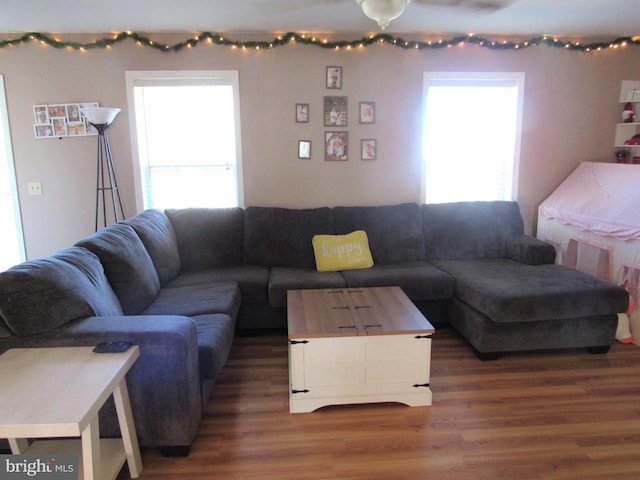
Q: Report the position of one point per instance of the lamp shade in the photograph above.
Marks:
(383, 11)
(100, 115)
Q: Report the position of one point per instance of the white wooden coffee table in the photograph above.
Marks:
(356, 345)
(57, 392)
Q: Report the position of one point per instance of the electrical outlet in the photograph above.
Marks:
(35, 188)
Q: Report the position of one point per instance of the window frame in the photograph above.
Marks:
(475, 79)
(8, 164)
(182, 77)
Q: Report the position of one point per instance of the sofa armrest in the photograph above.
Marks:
(164, 383)
(530, 250)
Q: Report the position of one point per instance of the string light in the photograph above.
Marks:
(298, 38)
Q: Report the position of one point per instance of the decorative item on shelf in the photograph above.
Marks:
(628, 115)
(383, 11)
(101, 119)
(621, 156)
(635, 140)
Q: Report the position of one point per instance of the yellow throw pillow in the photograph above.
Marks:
(342, 252)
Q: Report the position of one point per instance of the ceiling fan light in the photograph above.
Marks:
(383, 11)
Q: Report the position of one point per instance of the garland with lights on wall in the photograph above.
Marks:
(292, 37)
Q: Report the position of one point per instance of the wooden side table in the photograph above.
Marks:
(58, 392)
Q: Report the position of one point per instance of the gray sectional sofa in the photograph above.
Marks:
(181, 283)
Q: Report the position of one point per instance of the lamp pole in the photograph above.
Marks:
(106, 181)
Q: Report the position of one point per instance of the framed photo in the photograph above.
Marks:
(59, 127)
(304, 149)
(335, 111)
(44, 130)
(41, 114)
(62, 120)
(367, 112)
(368, 149)
(73, 113)
(334, 77)
(336, 146)
(57, 111)
(302, 113)
(76, 128)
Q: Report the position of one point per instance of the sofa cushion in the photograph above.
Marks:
(394, 231)
(41, 295)
(508, 291)
(419, 280)
(342, 252)
(281, 237)
(208, 237)
(127, 265)
(215, 337)
(157, 234)
(283, 279)
(252, 279)
(199, 299)
(469, 229)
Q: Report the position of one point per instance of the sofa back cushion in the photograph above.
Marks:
(157, 234)
(281, 237)
(208, 237)
(41, 295)
(394, 231)
(469, 229)
(127, 265)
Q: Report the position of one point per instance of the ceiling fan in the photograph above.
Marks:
(382, 11)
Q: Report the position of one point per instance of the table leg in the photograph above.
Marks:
(91, 450)
(128, 429)
(18, 445)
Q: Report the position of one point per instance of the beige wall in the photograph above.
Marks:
(570, 112)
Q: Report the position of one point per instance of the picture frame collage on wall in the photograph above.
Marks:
(62, 120)
(335, 116)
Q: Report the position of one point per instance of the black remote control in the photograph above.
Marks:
(112, 347)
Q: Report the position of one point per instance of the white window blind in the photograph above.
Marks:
(187, 139)
(471, 137)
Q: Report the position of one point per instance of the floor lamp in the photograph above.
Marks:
(101, 119)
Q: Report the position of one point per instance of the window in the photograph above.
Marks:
(186, 138)
(11, 240)
(471, 138)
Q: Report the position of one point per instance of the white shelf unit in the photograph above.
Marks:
(629, 92)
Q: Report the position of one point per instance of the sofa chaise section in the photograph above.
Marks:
(508, 294)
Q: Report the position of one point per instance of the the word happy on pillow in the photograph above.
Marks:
(342, 252)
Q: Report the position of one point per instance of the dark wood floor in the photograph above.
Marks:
(546, 415)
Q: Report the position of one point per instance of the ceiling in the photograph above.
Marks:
(581, 18)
